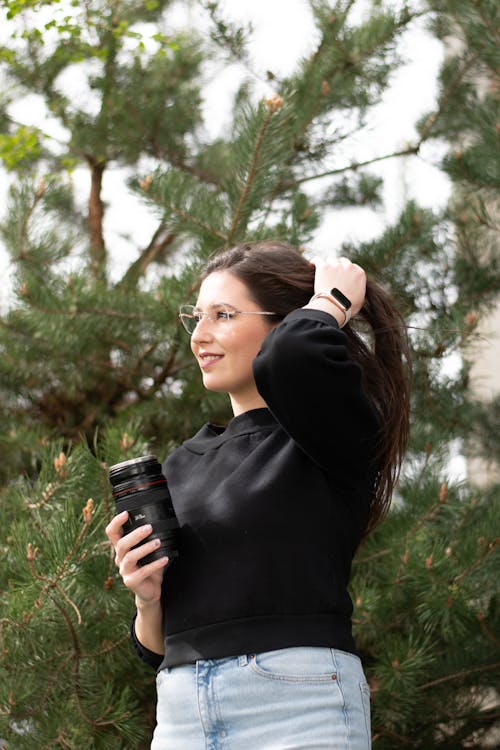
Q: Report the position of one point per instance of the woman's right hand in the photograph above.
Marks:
(144, 581)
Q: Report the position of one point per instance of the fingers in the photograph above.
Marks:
(346, 276)
(133, 577)
(114, 530)
(331, 268)
(124, 545)
(145, 581)
(127, 545)
(128, 563)
(332, 265)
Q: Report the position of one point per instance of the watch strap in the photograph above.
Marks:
(337, 303)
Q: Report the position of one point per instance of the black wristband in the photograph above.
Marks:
(341, 298)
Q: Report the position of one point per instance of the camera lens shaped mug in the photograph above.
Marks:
(140, 487)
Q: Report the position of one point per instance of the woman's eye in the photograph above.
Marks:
(223, 315)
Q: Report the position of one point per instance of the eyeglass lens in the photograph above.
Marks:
(190, 316)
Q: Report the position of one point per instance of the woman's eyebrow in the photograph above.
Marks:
(216, 304)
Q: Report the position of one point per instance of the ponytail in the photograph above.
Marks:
(386, 373)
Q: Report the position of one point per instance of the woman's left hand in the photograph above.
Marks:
(341, 273)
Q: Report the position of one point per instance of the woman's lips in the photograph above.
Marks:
(208, 359)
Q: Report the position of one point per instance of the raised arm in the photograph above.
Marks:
(306, 376)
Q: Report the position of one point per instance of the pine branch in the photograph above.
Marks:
(412, 150)
(109, 510)
(166, 370)
(111, 647)
(76, 662)
(350, 61)
(402, 739)
(317, 56)
(135, 370)
(430, 514)
(355, 165)
(23, 253)
(47, 495)
(175, 158)
(100, 311)
(487, 632)
(458, 675)
(197, 222)
(61, 742)
(465, 173)
(76, 657)
(486, 20)
(433, 407)
(445, 98)
(488, 550)
(370, 558)
(52, 682)
(53, 583)
(70, 602)
(152, 252)
(250, 174)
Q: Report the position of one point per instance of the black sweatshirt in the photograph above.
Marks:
(273, 506)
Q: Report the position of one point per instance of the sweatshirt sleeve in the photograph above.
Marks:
(313, 388)
(148, 657)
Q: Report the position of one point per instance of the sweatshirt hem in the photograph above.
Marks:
(258, 634)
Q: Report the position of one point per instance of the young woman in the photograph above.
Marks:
(250, 629)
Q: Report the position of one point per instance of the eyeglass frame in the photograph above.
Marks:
(229, 311)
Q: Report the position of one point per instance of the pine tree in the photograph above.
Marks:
(426, 579)
(95, 369)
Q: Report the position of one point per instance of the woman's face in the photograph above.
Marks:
(225, 349)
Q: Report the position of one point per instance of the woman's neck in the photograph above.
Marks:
(241, 405)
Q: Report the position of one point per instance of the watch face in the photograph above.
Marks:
(341, 297)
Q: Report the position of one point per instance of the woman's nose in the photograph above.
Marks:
(203, 330)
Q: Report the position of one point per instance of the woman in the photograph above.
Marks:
(250, 630)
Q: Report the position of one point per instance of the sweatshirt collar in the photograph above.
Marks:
(212, 435)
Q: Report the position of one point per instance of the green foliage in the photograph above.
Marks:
(229, 37)
(19, 147)
(424, 580)
(94, 367)
(64, 613)
(145, 88)
(362, 190)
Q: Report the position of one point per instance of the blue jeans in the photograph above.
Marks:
(303, 698)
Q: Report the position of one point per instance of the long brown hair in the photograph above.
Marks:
(280, 279)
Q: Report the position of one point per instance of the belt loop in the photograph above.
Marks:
(242, 660)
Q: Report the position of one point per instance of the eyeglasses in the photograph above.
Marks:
(219, 315)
